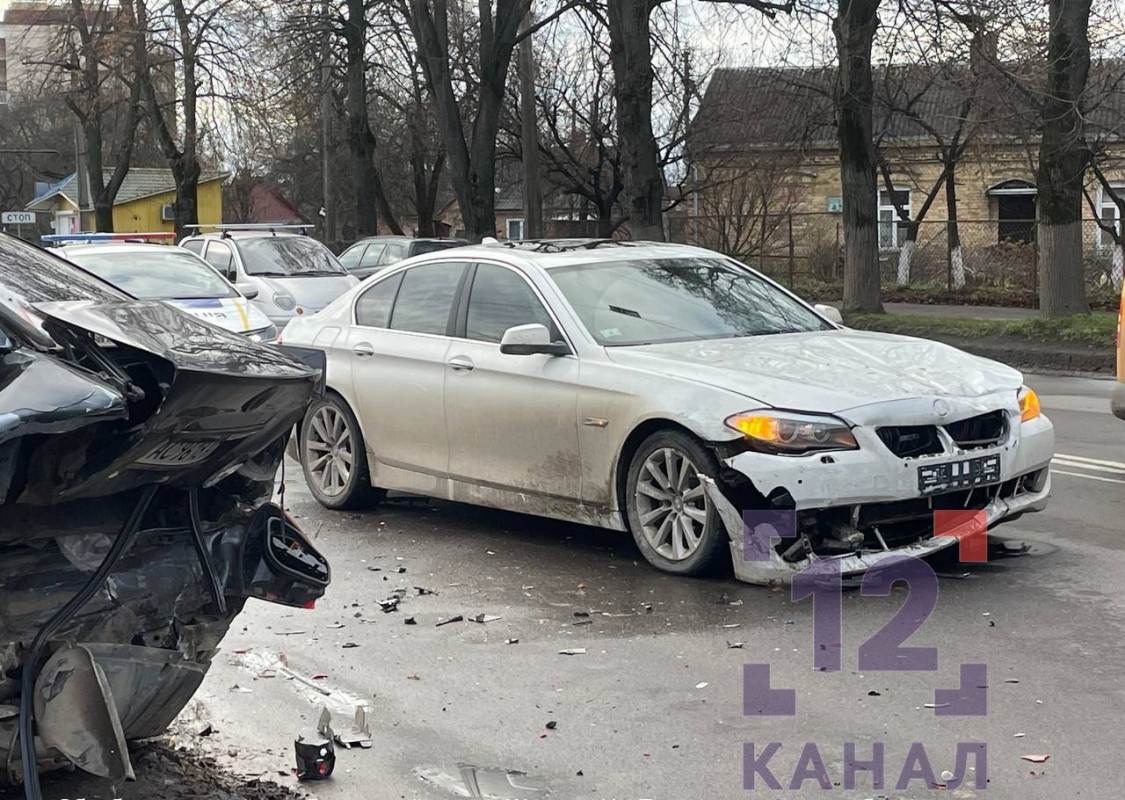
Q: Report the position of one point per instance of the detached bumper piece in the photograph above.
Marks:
(137, 463)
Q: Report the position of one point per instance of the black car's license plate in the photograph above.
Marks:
(958, 474)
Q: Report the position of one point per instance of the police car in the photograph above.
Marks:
(176, 276)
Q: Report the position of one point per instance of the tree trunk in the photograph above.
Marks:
(953, 233)
(185, 172)
(361, 139)
(854, 28)
(529, 142)
(631, 54)
(1063, 158)
(906, 254)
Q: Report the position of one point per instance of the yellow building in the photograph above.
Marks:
(143, 204)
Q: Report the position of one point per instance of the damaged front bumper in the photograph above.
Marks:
(137, 466)
(861, 507)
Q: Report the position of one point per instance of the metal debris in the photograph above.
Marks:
(573, 651)
(482, 618)
(457, 618)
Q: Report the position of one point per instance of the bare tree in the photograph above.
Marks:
(630, 32)
(470, 121)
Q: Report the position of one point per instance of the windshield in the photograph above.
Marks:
(165, 274)
(288, 255)
(29, 275)
(678, 299)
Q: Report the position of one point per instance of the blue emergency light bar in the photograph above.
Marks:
(58, 238)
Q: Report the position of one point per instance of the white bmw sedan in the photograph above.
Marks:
(665, 390)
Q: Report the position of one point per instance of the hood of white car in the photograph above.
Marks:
(828, 371)
(312, 292)
(233, 313)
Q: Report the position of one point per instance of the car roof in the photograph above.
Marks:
(553, 253)
(123, 247)
(403, 238)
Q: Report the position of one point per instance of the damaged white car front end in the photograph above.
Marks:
(875, 497)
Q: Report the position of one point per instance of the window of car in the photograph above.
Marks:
(425, 298)
(221, 257)
(373, 308)
(372, 256)
(194, 245)
(350, 257)
(393, 254)
(649, 301)
(501, 299)
(433, 245)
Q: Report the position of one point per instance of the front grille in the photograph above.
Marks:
(911, 441)
(979, 432)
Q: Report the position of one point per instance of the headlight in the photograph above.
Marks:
(284, 301)
(788, 433)
(267, 335)
(1029, 404)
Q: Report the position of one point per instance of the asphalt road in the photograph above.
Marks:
(654, 708)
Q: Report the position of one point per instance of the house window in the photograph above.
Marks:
(892, 230)
(515, 229)
(1109, 214)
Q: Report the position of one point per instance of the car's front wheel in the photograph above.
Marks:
(674, 523)
(333, 456)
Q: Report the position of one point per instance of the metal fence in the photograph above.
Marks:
(795, 248)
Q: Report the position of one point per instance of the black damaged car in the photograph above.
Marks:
(138, 454)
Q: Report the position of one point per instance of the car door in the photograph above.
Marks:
(398, 347)
(511, 419)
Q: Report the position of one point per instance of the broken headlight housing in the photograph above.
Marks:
(791, 433)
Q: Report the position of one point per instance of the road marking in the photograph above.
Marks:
(1087, 477)
(1118, 464)
(1062, 462)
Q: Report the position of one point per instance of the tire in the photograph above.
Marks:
(663, 538)
(330, 439)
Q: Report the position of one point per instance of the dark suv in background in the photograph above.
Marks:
(368, 256)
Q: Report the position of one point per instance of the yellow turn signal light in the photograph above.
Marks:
(1029, 405)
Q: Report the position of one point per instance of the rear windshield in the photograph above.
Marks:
(285, 256)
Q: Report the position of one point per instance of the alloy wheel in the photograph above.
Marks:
(671, 503)
(328, 442)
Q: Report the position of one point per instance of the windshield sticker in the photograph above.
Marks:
(609, 333)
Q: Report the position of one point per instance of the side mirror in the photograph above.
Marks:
(248, 290)
(530, 340)
(831, 313)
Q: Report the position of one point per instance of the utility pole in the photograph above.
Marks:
(80, 171)
(326, 130)
(532, 191)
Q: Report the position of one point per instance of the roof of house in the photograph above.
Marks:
(140, 182)
(795, 106)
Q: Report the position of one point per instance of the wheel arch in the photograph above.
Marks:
(632, 443)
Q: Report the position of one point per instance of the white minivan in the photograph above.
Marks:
(294, 275)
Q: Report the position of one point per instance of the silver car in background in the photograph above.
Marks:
(294, 275)
(664, 390)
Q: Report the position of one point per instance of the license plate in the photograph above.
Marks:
(179, 454)
(959, 474)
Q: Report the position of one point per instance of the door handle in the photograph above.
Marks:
(363, 350)
(460, 363)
